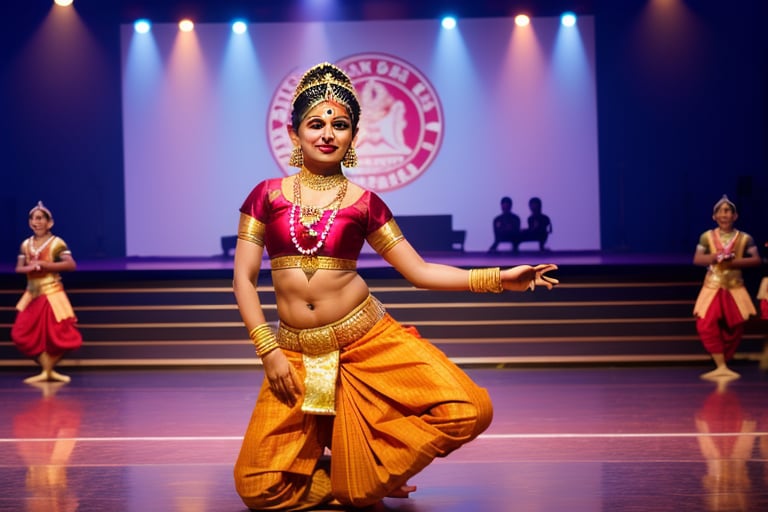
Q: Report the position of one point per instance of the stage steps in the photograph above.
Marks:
(600, 314)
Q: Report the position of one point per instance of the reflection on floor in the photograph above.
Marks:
(575, 438)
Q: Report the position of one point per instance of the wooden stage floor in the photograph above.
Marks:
(573, 438)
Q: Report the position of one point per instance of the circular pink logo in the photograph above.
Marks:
(401, 126)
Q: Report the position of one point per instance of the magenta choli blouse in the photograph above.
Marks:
(353, 224)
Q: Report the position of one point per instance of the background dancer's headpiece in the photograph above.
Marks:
(40, 206)
(324, 82)
(724, 200)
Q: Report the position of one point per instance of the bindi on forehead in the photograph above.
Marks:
(330, 109)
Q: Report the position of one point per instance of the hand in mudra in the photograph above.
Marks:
(527, 277)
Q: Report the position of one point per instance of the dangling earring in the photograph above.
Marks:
(297, 157)
(350, 158)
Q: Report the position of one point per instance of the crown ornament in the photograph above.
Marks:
(40, 206)
(724, 200)
(325, 74)
(324, 82)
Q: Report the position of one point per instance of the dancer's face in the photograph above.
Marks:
(325, 135)
(39, 223)
(725, 217)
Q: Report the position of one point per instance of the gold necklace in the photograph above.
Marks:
(311, 215)
(725, 235)
(308, 223)
(318, 181)
(298, 217)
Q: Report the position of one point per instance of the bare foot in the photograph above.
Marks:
(720, 372)
(41, 377)
(56, 376)
(403, 492)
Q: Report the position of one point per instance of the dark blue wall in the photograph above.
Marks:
(61, 138)
(682, 118)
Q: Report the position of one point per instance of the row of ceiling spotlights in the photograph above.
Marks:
(143, 26)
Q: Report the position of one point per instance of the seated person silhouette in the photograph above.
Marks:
(506, 226)
(539, 226)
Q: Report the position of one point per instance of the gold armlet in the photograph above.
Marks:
(250, 230)
(264, 339)
(483, 280)
(386, 237)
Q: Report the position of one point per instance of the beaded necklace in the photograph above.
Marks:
(307, 217)
(37, 250)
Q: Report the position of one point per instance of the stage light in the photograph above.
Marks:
(239, 27)
(522, 20)
(568, 19)
(186, 25)
(63, 3)
(449, 22)
(141, 26)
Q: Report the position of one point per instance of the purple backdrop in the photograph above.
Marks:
(452, 121)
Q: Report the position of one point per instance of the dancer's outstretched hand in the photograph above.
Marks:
(528, 277)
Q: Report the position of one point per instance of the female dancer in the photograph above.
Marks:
(45, 327)
(723, 304)
(340, 373)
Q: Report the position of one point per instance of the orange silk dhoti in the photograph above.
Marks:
(400, 402)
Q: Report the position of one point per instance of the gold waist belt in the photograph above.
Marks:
(44, 285)
(331, 337)
(724, 279)
(319, 349)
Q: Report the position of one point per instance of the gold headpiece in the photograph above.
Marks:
(325, 74)
(325, 82)
(40, 206)
(724, 200)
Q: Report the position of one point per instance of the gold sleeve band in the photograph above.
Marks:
(386, 237)
(250, 230)
(264, 339)
(483, 280)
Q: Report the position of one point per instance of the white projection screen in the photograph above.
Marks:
(452, 121)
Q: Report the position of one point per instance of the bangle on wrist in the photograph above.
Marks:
(264, 340)
(483, 280)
